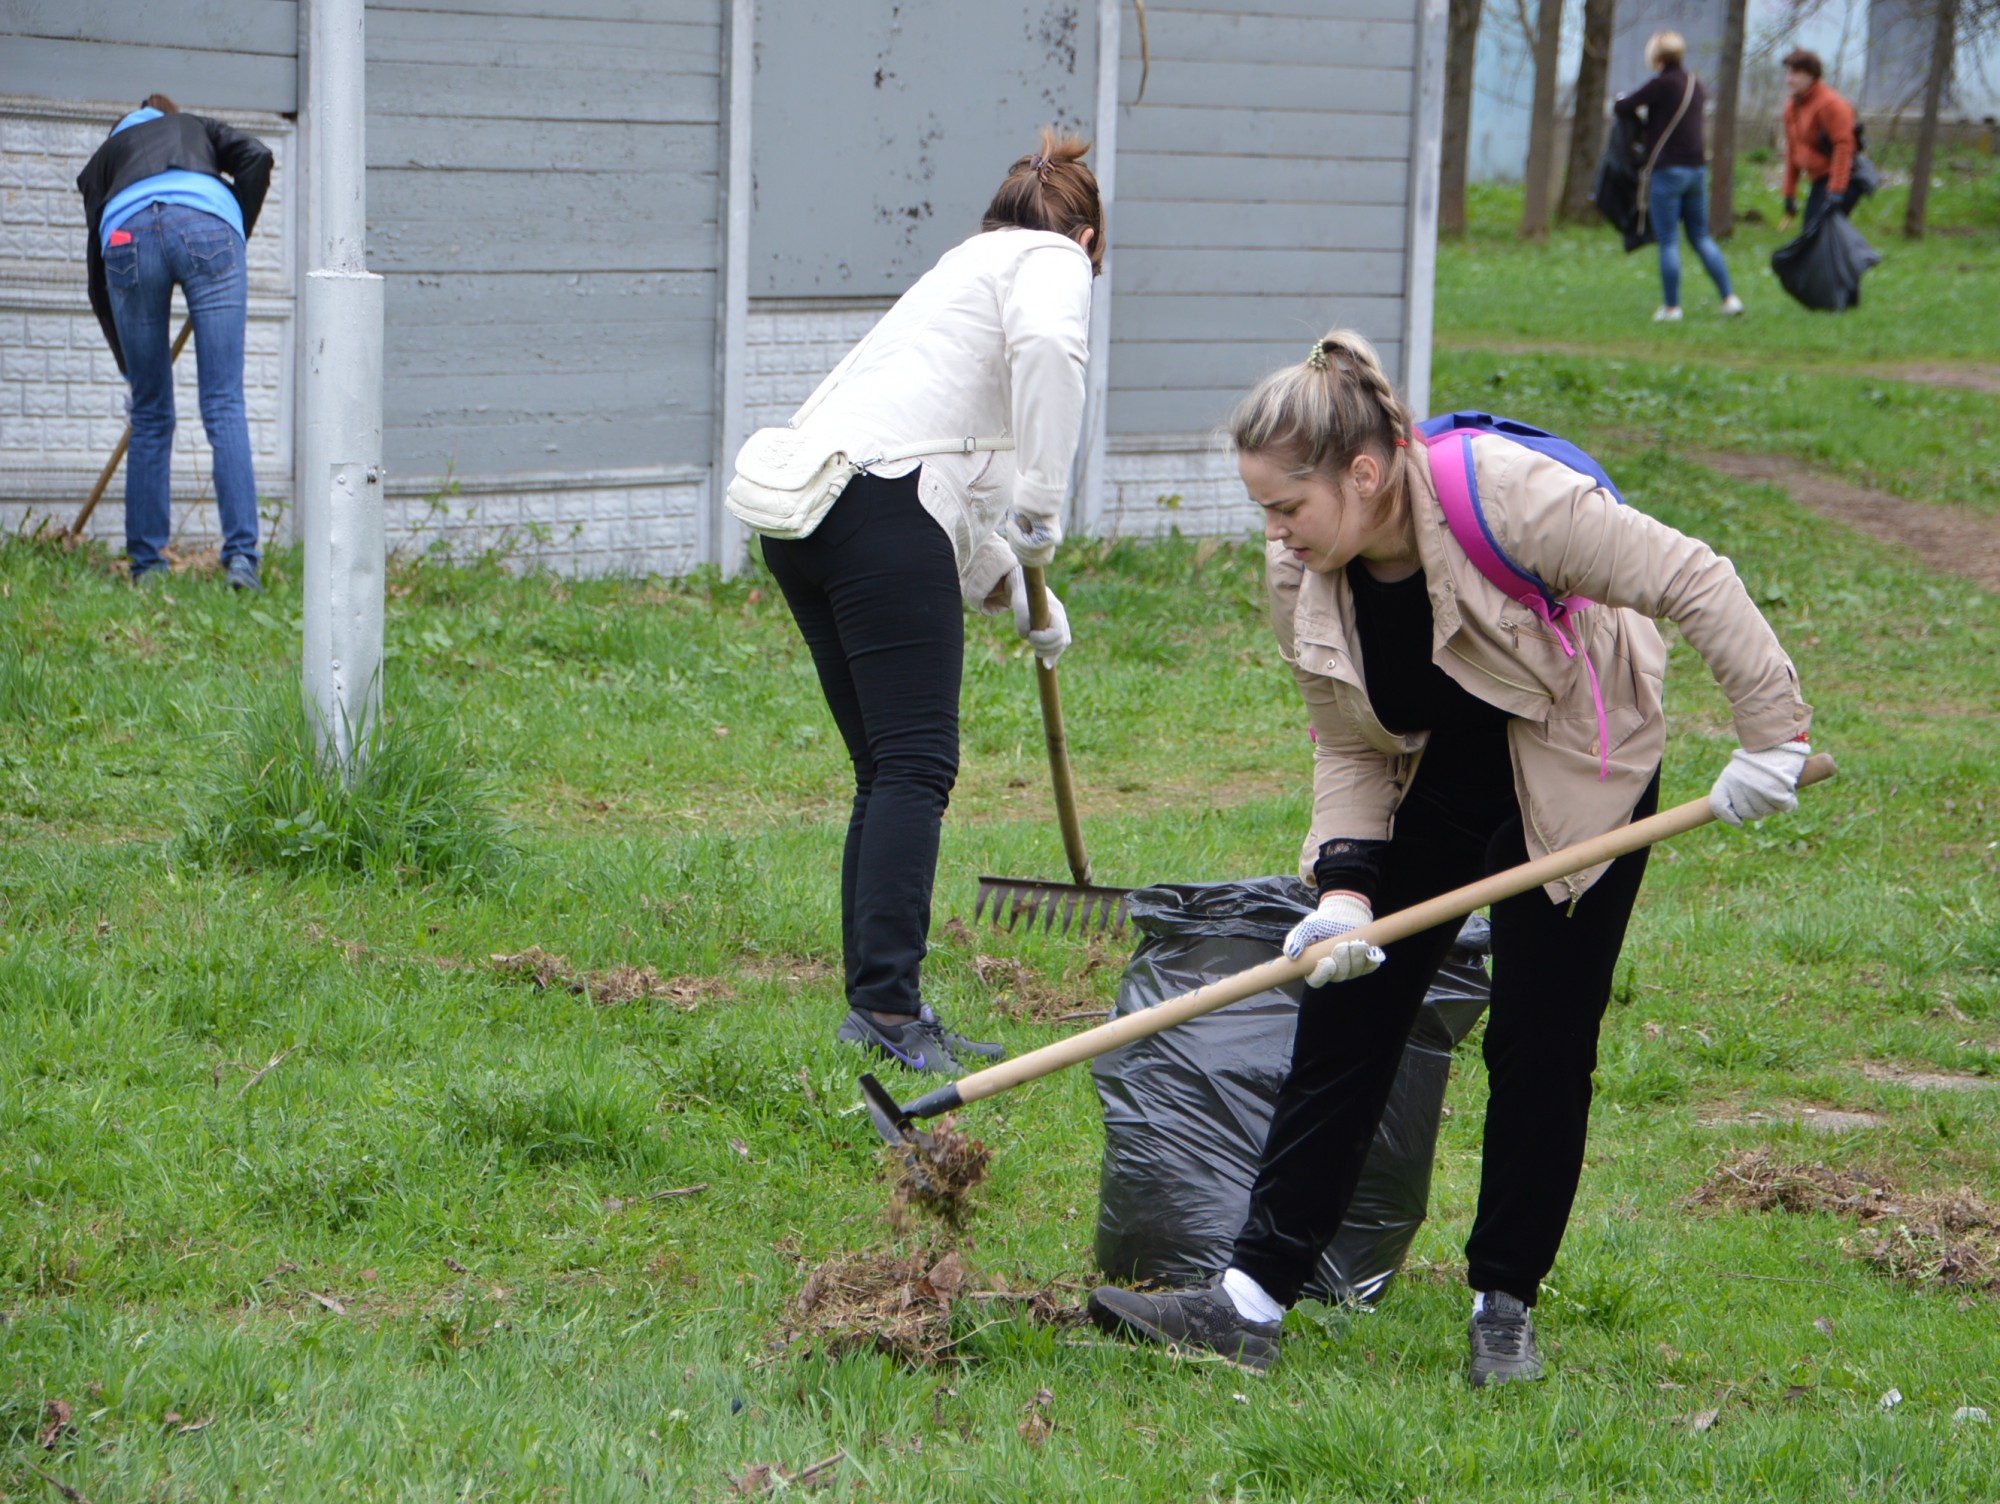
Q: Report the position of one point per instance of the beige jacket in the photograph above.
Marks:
(1578, 539)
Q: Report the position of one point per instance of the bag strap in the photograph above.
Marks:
(935, 446)
(1653, 160)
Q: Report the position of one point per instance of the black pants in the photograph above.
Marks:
(875, 592)
(1552, 973)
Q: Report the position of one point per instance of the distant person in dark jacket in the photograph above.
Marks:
(1820, 143)
(1671, 102)
(159, 211)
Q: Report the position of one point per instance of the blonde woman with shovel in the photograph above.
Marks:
(988, 351)
(1468, 610)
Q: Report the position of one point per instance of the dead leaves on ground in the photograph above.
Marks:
(902, 1304)
(1926, 1239)
(545, 970)
(612, 987)
(763, 1478)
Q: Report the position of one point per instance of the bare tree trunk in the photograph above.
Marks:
(1920, 175)
(1542, 121)
(1461, 44)
(1586, 131)
(1728, 85)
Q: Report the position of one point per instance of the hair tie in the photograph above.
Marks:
(1040, 166)
(1317, 359)
(1402, 443)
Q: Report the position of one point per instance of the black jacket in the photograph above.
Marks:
(1616, 190)
(188, 143)
(1660, 97)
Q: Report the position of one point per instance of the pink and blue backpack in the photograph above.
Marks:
(1448, 446)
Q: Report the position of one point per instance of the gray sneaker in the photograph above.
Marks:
(1197, 1320)
(1503, 1342)
(915, 1040)
(242, 575)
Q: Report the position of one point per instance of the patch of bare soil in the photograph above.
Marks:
(1961, 378)
(1817, 1119)
(611, 987)
(1950, 540)
(1919, 1080)
(1928, 1239)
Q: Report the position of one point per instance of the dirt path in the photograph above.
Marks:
(1951, 540)
(1964, 377)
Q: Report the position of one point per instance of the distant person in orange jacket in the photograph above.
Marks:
(1819, 141)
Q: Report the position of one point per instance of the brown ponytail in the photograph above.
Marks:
(1316, 416)
(161, 103)
(1052, 190)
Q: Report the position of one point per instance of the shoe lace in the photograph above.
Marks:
(1501, 1336)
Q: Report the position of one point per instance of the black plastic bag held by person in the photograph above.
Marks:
(1823, 267)
(1186, 1112)
(1615, 190)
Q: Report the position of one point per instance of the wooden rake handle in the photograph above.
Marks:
(73, 534)
(1389, 928)
(1052, 730)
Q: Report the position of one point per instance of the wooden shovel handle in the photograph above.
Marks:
(1052, 731)
(1389, 928)
(74, 532)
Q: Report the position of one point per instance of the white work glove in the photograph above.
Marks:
(1033, 539)
(1337, 914)
(1755, 784)
(1052, 639)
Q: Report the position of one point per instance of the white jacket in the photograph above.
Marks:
(990, 343)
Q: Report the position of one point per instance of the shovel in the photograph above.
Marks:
(73, 534)
(897, 1123)
(1057, 905)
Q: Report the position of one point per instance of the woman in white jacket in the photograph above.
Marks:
(990, 343)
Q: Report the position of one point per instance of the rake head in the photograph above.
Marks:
(1054, 906)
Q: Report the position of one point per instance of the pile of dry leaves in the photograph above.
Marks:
(901, 1304)
(936, 1172)
(611, 987)
(1947, 1239)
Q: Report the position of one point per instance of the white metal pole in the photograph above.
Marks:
(1420, 261)
(725, 539)
(1089, 490)
(340, 501)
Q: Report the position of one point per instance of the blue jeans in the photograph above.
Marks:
(1677, 196)
(173, 243)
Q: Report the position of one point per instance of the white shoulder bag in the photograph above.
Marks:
(786, 483)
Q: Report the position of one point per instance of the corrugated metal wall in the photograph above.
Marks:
(1263, 197)
(542, 196)
(239, 54)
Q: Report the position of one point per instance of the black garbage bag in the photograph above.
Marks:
(1617, 186)
(1823, 267)
(1186, 1111)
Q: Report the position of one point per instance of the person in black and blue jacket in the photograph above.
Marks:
(159, 210)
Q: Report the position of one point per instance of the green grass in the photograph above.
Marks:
(235, 1083)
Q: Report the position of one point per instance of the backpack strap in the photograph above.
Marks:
(1452, 476)
(1449, 453)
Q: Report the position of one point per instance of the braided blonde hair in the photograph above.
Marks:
(1319, 414)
